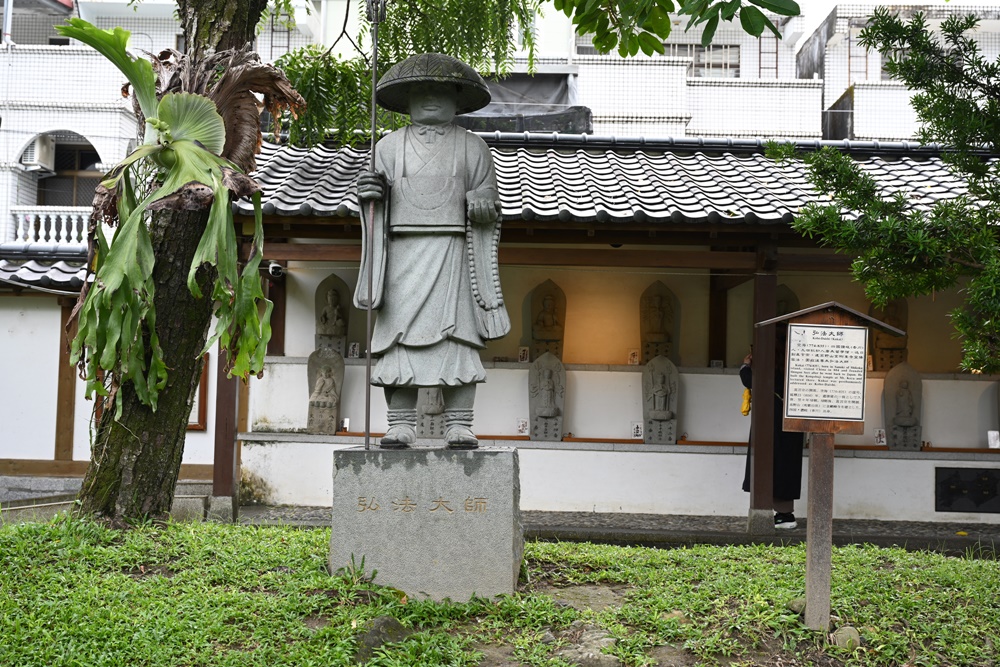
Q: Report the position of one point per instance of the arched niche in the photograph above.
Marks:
(332, 313)
(659, 323)
(544, 324)
(887, 350)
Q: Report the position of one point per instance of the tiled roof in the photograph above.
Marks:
(59, 276)
(613, 181)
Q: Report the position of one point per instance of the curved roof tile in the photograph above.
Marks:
(607, 182)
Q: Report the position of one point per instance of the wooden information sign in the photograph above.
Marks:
(825, 370)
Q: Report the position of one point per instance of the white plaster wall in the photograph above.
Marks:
(666, 481)
(279, 401)
(109, 127)
(296, 473)
(29, 353)
(959, 412)
(603, 402)
(900, 489)
(589, 481)
(199, 446)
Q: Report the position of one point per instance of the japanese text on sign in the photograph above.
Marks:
(825, 374)
(407, 505)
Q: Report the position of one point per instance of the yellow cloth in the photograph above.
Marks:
(745, 408)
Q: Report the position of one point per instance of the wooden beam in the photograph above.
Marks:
(612, 257)
(832, 263)
(65, 387)
(43, 468)
(316, 252)
(672, 259)
(724, 283)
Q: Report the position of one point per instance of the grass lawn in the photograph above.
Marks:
(73, 592)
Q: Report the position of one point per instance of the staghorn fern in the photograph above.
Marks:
(185, 138)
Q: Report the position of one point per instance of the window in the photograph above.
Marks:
(715, 60)
(75, 179)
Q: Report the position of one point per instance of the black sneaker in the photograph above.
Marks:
(785, 521)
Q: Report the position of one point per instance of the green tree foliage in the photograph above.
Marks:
(642, 25)
(902, 251)
(337, 90)
(482, 33)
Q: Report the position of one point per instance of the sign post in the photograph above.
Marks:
(825, 372)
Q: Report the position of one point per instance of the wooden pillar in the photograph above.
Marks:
(718, 315)
(277, 293)
(224, 479)
(819, 531)
(761, 518)
(65, 388)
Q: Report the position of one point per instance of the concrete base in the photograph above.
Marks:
(760, 522)
(435, 523)
(188, 508)
(44, 511)
(222, 509)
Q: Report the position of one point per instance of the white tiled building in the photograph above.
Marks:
(61, 117)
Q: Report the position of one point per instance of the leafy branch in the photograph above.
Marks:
(642, 25)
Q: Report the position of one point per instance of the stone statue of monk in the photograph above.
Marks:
(436, 229)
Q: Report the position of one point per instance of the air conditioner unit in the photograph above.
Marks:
(40, 154)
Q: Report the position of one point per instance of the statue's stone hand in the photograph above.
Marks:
(371, 185)
(483, 207)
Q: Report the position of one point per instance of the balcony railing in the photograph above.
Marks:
(49, 226)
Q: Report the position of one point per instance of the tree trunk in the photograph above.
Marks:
(135, 461)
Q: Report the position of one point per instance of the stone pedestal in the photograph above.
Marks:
(435, 523)
(540, 347)
(660, 432)
(547, 428)
(653, 349)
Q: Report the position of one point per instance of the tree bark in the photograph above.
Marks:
(135, 461)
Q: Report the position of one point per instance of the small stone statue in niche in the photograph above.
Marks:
(658, 322)
(655, 313)
(659, 405)
(547, 324)
(326, 382)
(331, 316)
(430, 413)
(889, 350)
(325, 394)
(548, 309)
(331, 320)
(546, 397)
(901, 401)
